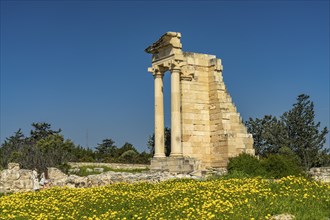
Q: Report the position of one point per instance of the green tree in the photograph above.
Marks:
(305, 137)
(107, 151)
(42, 130)
(296, 129)
(129, 156)
(268, 133)
(144, 158)
(44, 148)
(107, 147)
(10, 149)
(126, 147)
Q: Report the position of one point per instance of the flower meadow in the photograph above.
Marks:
(245, 198)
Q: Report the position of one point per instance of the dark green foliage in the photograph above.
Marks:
(297, 130)
(268, 134)
(106, 150)
(279, 165)
(129, 155)
(44, 148)
(64, 167)
(48, 148)
(126, 147)
(304, 135)
(247, 164)
(284, 163)
(41, 131)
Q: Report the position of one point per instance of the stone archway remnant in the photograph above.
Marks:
(206, 129)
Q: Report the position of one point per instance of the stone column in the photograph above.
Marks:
(176, 148)
(159, 115)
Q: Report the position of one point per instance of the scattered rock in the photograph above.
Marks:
(99, 169)
(283, 217)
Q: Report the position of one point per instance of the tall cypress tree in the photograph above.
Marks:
(305, 137)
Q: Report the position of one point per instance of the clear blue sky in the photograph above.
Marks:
(81, 65)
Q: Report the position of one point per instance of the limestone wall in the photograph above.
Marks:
(205, 124)
(212, 129)
(15, 179)
(320, 174)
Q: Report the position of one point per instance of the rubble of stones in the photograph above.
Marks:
(320, 174)
(15, 179)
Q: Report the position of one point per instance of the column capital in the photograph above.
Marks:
(156, 71)
(176, 65)
(187, 72)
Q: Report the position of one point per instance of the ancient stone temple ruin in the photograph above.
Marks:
(206, 128)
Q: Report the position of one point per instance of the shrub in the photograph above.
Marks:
(64, 167)
(246, 164)
(278, 166)
(128, 156)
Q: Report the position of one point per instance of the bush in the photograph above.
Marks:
(286, 163)
(278, 166)
(128, 156)
(64, 167)
(246, 164)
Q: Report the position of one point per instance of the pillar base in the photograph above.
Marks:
(159, 155)
(175, 164)
(176, 155)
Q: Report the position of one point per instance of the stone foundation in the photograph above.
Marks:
(175, 164)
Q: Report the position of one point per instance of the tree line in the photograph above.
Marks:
(293, 136)
(45, 147)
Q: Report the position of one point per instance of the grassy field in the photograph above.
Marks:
(246, 198)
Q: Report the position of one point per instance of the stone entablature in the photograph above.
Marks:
(205, 124)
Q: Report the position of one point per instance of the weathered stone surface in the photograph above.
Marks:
(56, 177)
(21, 180)
(15, 179)
(205, 124)
(98, 169)
(320, 174)
(283, 217)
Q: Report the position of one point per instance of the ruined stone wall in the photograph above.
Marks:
(212, 129)
(320, 173)
(15, 179)
(205, 124)
(195, 109)
(111, 165)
